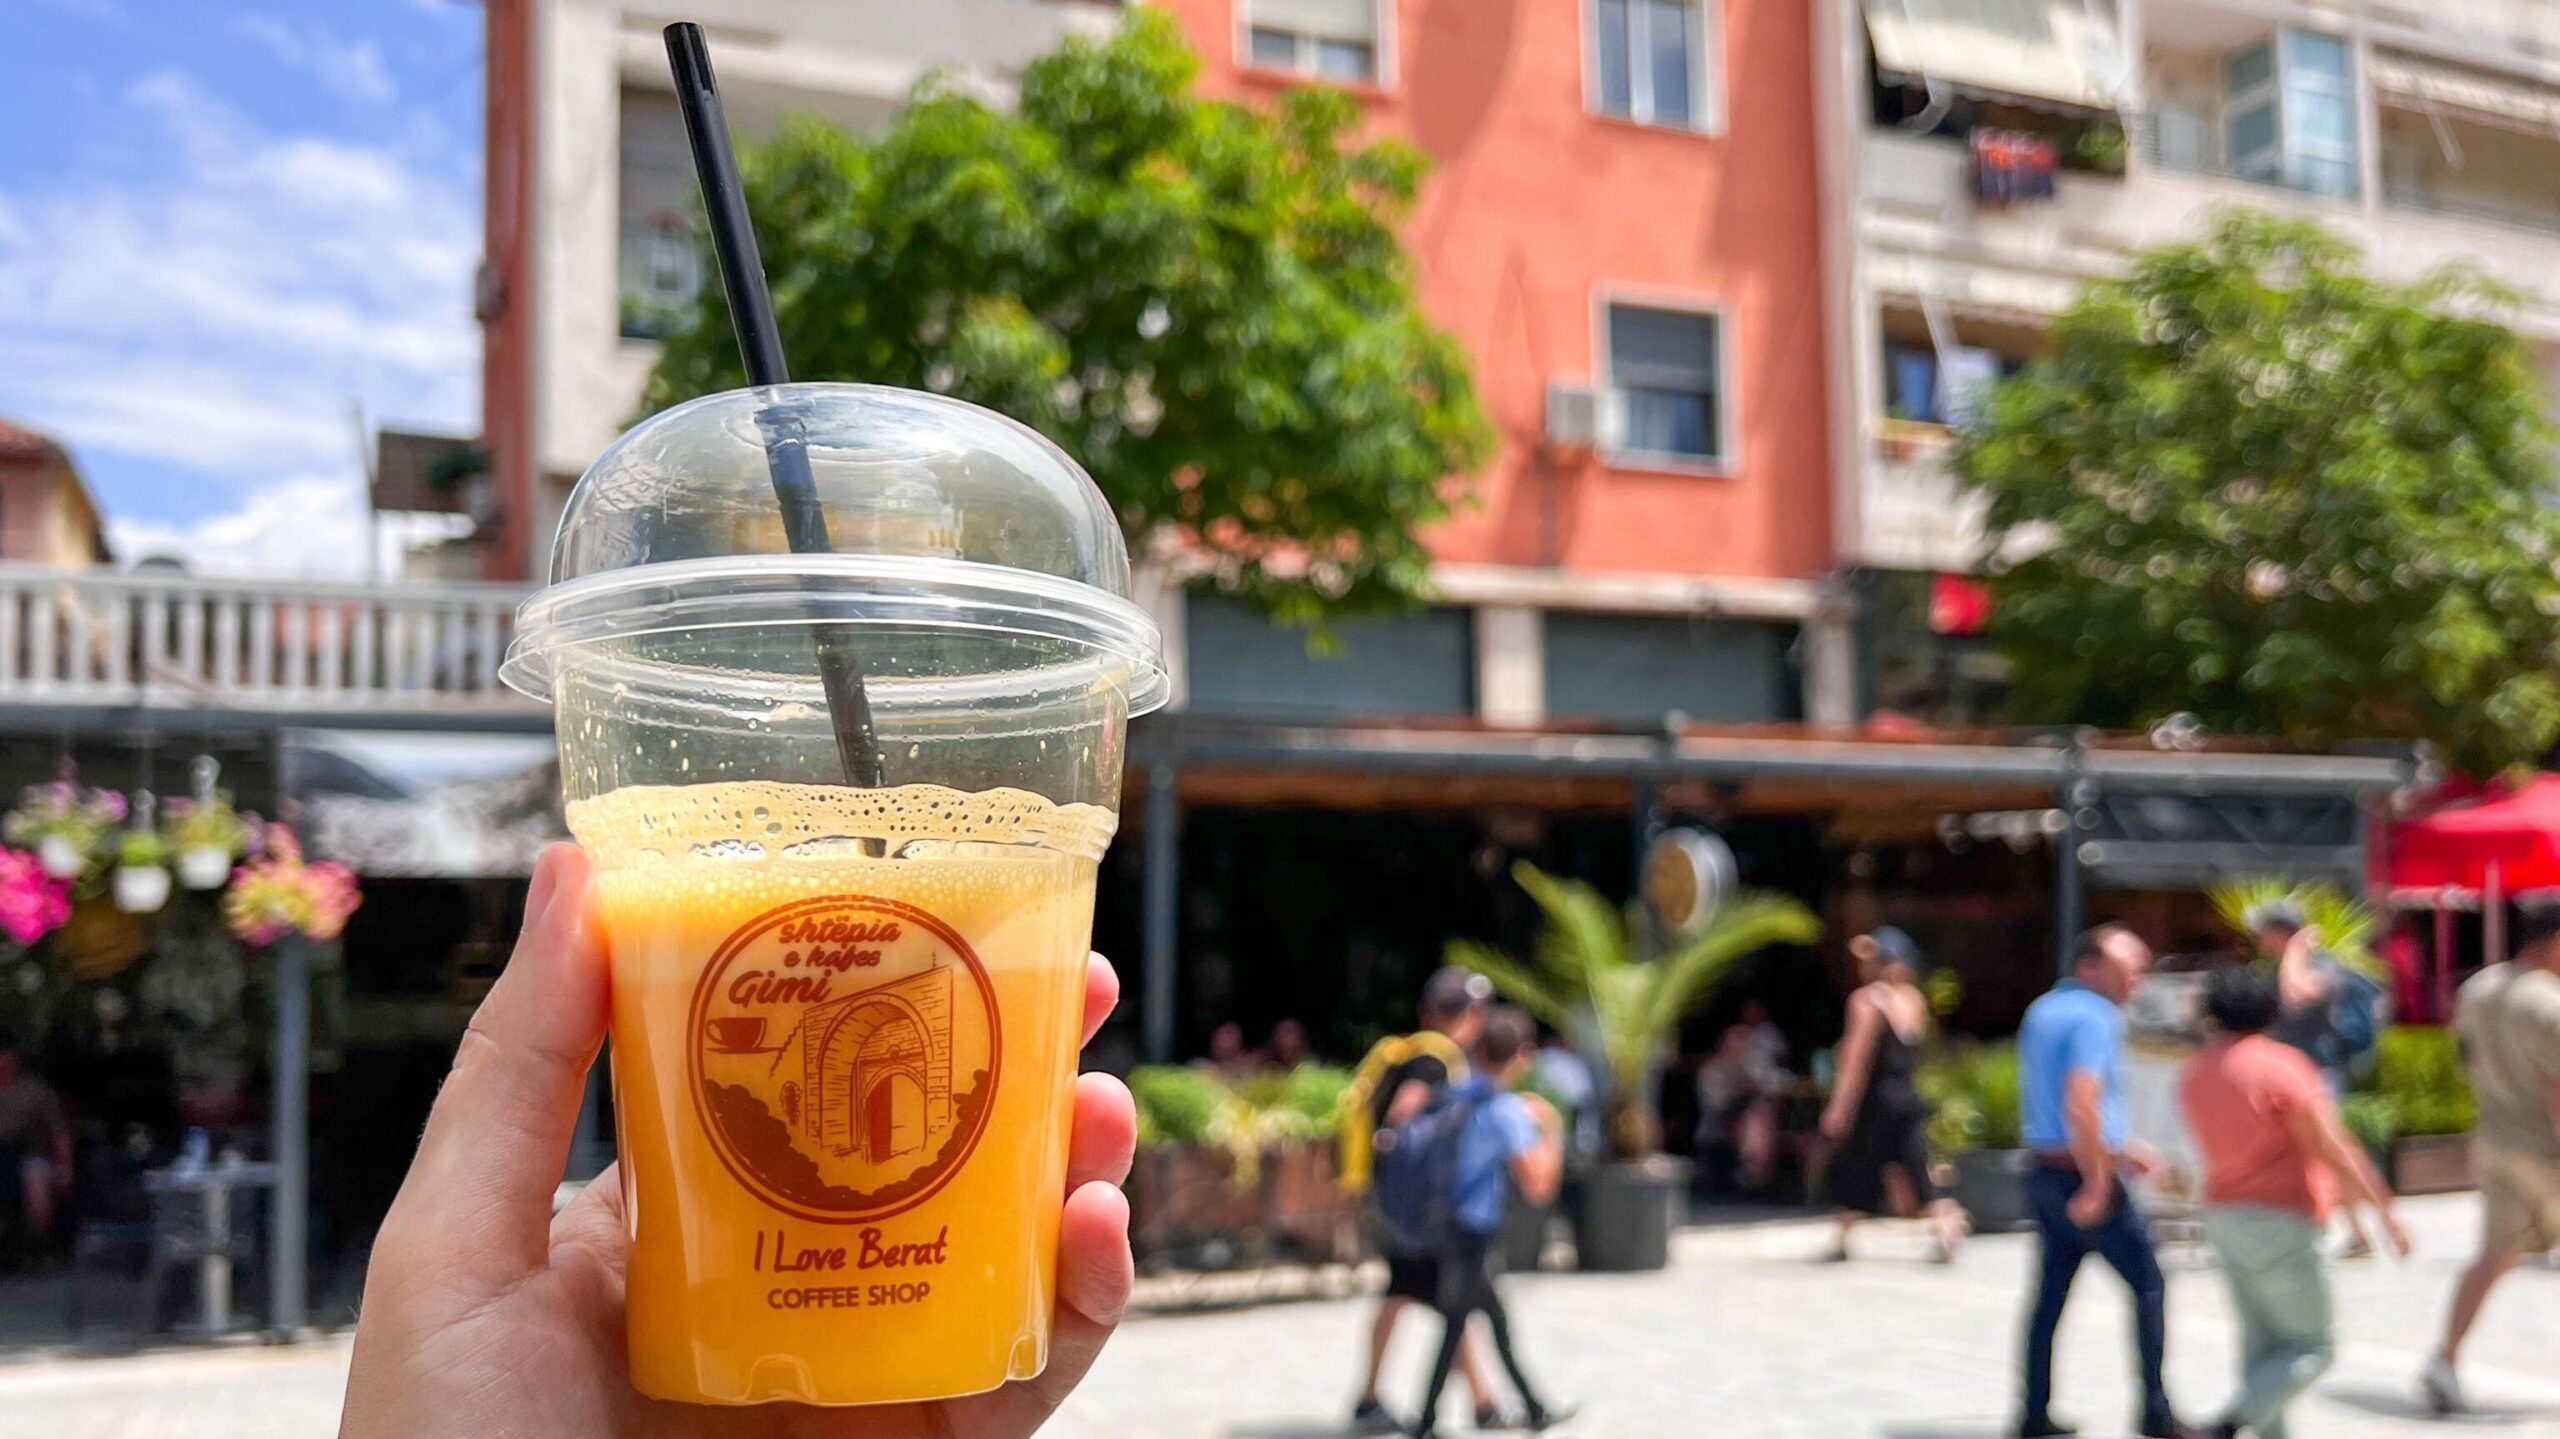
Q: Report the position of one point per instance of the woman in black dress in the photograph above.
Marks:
(1876, 1114)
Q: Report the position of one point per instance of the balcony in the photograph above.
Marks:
(168, 641)
(1911, 516)
(1922, 233)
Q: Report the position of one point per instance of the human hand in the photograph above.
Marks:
(487, 1318)
(2145, 1162)
(1837, 1120)
(2089, 1208)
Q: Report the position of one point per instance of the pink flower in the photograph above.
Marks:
(33, 903)
(281, 894)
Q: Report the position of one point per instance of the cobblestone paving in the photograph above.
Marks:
(1745, 1337)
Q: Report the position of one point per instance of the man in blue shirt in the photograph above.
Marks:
(2072, 1101)
(1504, 1139)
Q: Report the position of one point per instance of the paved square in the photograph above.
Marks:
(1745, 1337)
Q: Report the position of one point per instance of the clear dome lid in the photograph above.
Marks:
(941, 516)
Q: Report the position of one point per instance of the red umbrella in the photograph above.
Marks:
(2516, 829)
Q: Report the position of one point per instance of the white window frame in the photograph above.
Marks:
(2273, 166)
(1381, 48)
(1613, 449)
(2270, 93)
(2297, 144)
(1706, 71)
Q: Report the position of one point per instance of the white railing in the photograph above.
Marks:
(162, 639)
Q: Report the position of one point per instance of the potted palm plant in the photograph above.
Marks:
(1586, 976)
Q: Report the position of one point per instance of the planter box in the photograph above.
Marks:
(1628, 1213)
(2432, 1164)
(1189, 1208)
(1987, 1186)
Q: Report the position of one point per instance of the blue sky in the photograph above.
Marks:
(222, 226)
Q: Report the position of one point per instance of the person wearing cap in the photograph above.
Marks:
(1876, 1114)
(1400, 1077)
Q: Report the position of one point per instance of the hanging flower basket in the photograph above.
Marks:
(207, 833)
(283, 894)
(142, 890)
(204, 866)
(65, 824)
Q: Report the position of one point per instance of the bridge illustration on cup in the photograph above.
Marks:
(845, 1054)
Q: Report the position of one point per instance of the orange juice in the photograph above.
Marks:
(844, 1036)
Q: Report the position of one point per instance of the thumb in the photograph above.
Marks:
(479, 1192)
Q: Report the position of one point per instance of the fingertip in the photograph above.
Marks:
(1095, 1271)
(1103, 1140)
(1101, 993)
(1105, 1097)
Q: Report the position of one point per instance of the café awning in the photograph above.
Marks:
(2507, 102)
(2062, 52)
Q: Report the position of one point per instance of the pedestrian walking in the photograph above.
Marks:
(2074, 1114)
(1495, 1140)
(2508, 1016)
(2326, 1010)
(1876, 1113)
(2276, 1158)
(1401, 1078)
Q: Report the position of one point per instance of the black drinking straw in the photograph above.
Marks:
(786, 453)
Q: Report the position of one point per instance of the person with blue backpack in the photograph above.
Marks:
(1403, 1077)
(1444, 1184)
(2330, 1012)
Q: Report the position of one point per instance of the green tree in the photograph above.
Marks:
(1206, 304)
(2251, 483)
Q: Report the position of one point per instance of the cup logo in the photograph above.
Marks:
(843, 1056)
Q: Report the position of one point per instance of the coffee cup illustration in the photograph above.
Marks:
(736, 1034)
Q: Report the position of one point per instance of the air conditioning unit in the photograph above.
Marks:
(1584, 416)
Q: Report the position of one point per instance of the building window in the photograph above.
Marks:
(1322, 39)
(1652, 61)
(1925, 387)
(660, 264)
(1667, 367)
(2289, 116)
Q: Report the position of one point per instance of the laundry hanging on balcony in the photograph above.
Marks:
(2012, 167)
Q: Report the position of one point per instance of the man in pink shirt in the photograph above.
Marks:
(2275, 1157)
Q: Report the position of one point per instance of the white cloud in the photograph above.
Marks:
(348, 69)
(223, 313)
(316, 526)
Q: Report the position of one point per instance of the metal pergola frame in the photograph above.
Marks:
(2074, 767)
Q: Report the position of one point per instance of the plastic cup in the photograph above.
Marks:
(845, 1019)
